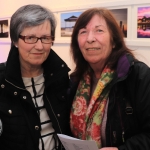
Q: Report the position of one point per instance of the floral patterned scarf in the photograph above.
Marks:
(87, 111)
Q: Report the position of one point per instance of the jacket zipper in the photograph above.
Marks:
(54, 115)
(123, 132)
(132, 64)
(114, 132)
(114, 137)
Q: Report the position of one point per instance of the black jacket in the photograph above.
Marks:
(21, 124)
(128, 114)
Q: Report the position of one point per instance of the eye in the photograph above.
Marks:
(46, 37)
(30, 37)
(99, 30)
(82, 31)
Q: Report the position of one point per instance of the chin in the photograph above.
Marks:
(93, 61)
(39, 63)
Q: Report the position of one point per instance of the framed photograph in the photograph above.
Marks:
(67, 20)
(140, 26)
(4, 29)
(121, 15)
(143, 22)
(67, 23)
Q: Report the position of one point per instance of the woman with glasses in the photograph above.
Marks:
(33, 84)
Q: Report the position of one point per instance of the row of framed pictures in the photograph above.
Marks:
(134, 22)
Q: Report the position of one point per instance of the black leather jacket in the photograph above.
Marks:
(21, 124)
(128, 114)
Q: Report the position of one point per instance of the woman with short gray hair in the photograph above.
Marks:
(29, 16)
(34, 83)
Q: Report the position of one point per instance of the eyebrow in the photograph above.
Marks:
(36, 36)
(98, 26)
(95, 26)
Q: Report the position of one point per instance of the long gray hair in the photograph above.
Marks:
(28, 16)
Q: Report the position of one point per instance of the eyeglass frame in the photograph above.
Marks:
(38, 38)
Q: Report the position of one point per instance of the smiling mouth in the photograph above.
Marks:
(92, 49)
(37, 53)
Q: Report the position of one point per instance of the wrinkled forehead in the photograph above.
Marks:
(43, 27)
(95, 22)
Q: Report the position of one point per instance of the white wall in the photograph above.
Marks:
(141, 47)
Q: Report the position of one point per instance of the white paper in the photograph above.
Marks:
(71, 143)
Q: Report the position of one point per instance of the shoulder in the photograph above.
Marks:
(55, 64)
(137, 68)
(2, 69)
(141, 69)
(138, 78)
(2, 66)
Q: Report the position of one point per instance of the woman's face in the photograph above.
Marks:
(34, 54)
(94, 41)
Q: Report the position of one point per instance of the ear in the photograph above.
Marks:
(113, 46)
(15, 43)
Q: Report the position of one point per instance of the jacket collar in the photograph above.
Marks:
(124, 65)
(123, 68)
(53, 66)
(13, 71)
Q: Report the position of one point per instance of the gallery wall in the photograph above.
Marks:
(141, 46)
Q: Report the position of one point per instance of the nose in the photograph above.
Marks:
(91, 37)
(39, 45)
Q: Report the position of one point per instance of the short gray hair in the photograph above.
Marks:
(28, 16)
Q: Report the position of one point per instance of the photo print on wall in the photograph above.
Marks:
(67, 23)
(143, 22)
(4, 28)
(121, 17)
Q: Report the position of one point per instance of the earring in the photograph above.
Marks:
(16, 46)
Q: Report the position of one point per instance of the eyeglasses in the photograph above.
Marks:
(33, 39)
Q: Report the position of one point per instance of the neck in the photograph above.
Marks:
(31, 71)
(97, 70)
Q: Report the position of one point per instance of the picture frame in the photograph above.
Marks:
(4, 30)
(68, 20)
(134, 40)
(121, 16)
(60, 28)
(143, 22)
(129, 24)
(68, 14)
